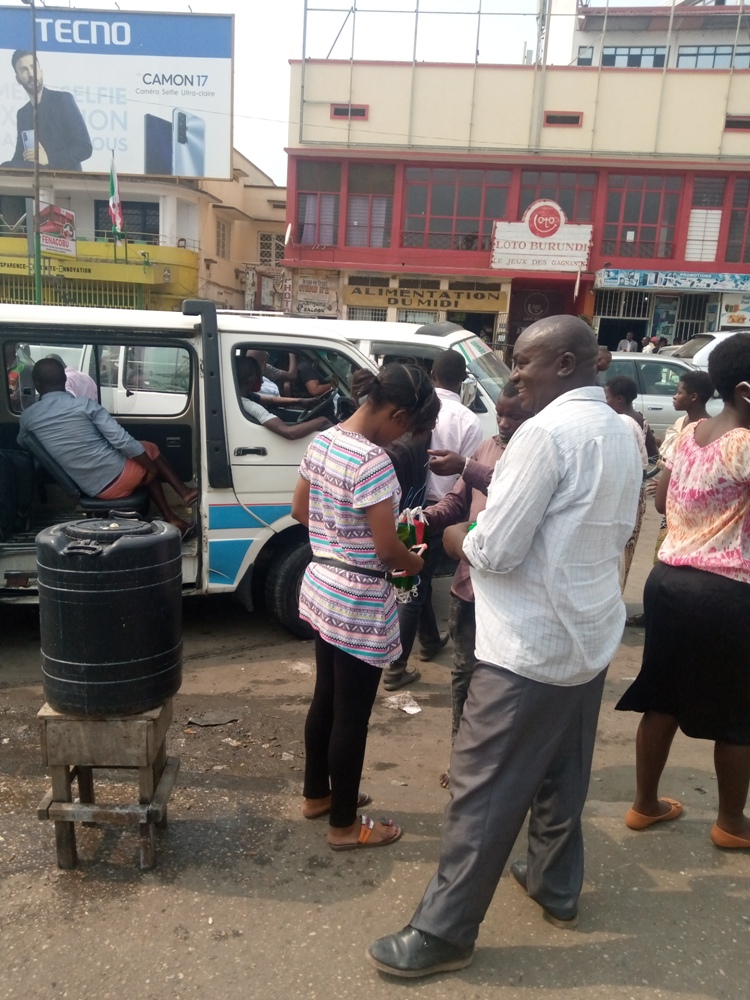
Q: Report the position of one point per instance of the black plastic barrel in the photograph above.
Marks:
(110, 605)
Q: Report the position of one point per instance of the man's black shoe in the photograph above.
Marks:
(426, 653)
(412, 953)
(519, 874)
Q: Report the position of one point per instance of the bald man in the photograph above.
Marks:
(544, 560)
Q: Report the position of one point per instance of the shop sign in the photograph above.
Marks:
(542, 241)
(735, 312)
(134, 274)
(687, 280)
(315, 296)
(57, 230)
(476, 300)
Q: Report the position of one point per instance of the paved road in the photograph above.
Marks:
(248, 902)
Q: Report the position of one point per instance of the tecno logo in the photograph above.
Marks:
(544, 218)
(67, 32)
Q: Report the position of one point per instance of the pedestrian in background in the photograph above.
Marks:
(465, 502)
(694, 673)
(457, 430)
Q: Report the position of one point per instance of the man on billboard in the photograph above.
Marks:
(64, 141)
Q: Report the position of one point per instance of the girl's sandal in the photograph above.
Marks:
(365, 832)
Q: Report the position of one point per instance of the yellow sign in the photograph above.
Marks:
(477, 300)
(82, 270)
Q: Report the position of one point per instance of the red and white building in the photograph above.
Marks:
(617, 187)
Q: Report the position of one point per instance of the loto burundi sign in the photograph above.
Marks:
(543, 241)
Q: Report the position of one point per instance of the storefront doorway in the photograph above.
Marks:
(527, 305)
(612, 331)
(482, 324)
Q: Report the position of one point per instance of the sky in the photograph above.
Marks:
(268, 33)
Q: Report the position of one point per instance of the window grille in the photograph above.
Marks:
(641, 213)
(107, 294)
(416, 316)
(367, 312)
(620, 303)
(453, 209)
(574, 192)
(691, 316)
(270, 249)
(140, 221)
(222, 239)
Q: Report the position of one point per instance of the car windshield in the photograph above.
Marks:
(490, 372)
(691, 348)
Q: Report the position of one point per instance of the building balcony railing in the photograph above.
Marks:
(446, 241)
(105, 236)
(641, 249)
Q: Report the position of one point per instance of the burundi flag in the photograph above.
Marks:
(115, 205)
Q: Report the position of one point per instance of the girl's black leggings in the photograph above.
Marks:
(336, 729)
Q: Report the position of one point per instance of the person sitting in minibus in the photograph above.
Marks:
(99, 455)
(249, 380)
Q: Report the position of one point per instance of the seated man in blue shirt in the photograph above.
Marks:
(101, 458)
(249, 380)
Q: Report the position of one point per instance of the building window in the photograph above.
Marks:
(140, 221)
(585, 55)
(360, 112)
(416, 316)
(704, 225)
(369, 210)
(367, 312)
(368, 281)
(738, 240)
(634, 56)
(222, 239)
(641, 214)
(713, 57)
(270, 249)
(737, 123)
(318, 186)
(453, 209)
(563, 119)
(573, 192)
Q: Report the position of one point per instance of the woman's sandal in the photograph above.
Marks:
(363, 799)
(365, 832)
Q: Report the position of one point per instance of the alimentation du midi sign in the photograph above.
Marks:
(543, 240)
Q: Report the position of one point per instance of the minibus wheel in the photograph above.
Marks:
(283, 584)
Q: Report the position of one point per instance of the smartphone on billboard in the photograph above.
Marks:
(188, 144)
(157, 157)
(27, 138)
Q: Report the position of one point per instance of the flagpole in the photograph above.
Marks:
(115, 206)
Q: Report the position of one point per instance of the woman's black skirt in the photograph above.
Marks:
(696, 657)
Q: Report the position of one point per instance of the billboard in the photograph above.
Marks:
(154, 88)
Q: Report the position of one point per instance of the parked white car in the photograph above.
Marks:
(698, 348)
(656, 378)
(422, 343)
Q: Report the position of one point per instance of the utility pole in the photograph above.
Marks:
(35, 108)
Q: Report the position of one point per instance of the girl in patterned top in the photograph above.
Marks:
(348, 496)
(696, 659)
